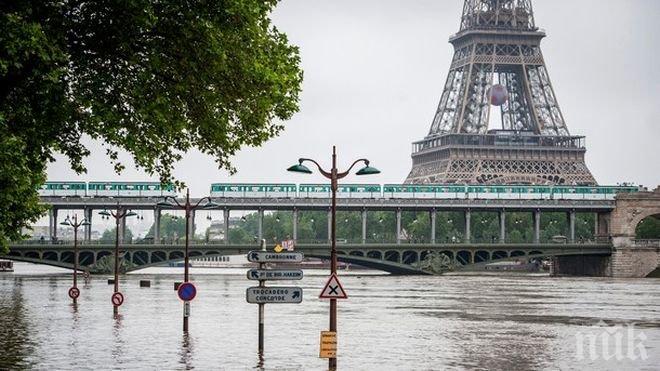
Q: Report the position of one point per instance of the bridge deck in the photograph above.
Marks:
(138, 203)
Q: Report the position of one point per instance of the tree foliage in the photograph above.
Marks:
(171, 228)
(109, 235)
(415, 227)
(153, 78)
(649, 228)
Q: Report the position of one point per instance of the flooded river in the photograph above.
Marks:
(388, 323)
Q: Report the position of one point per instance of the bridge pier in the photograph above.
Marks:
(364, 226)
(571, 226)
(294, 217)
(581, 265)
(537, 226)
(329, 225)
(433, 217)
(156, 235)
(631, 259)
(87, 229)
(502, 226)
(122, 228)
(225, 215)
(398, 226)
(468, 215)
(260, 224)
(52, 223)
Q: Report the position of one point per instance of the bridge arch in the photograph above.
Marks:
(631, 209)
(50, 255)
(140, 258)
(517, 253)
(158, 257)
(499, 254)
(30, 254)
(481, 256)
(648, 228)
(449, 254)
(464, 257)
(375, 254)
(392, 256)
(409, 257)
(102, 254)
(356, 253)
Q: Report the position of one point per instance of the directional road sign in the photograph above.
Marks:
(271, 257)
(275, 274)
(187, 291)
(117, 299)
(274, 295)
(74, 292)
(333, 289)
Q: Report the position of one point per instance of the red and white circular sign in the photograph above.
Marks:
(74, 292)
(117, 299)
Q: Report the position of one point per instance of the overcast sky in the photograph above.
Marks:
(374, 72)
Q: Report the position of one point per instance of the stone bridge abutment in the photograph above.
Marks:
(630, 257)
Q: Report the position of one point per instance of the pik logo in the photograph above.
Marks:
(611, 342)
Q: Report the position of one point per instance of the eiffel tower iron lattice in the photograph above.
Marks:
(498, 73)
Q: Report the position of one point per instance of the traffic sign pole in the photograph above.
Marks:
(262, 283)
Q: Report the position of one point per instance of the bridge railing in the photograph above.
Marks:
(341, 243)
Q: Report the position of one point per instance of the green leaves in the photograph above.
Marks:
(154, 78)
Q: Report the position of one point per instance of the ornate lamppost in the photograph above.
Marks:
(172, 203)
(118, 215)
(74, 292)
(333, 175)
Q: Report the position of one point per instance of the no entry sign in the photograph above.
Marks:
(117, 299)
(74, 292)
(187, 291)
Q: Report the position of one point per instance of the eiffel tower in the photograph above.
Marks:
(498, 76)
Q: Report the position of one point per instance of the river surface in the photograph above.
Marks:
(388, 323)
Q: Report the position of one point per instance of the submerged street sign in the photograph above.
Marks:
(274, 295)
(275, 274)
(271, 257)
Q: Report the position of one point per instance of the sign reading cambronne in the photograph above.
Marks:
(271, 257)
(274, 295)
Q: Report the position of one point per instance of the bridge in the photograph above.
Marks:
(612, 247)
(363, 205)
(402, 259)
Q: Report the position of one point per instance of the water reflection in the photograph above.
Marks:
(16, 343)
(117, 336)
(187, 352)
(260, 361)
(391, 323)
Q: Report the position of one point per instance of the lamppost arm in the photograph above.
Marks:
(345, 173)
(175, 201)
(325, 173)
(207, 199)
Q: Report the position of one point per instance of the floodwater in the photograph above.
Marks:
(388, 323)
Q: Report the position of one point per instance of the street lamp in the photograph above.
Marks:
(333, 175)
(118, 215)
(75, 224)
(172, 203)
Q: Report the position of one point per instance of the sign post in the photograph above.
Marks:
(263, 295)
(262, 283)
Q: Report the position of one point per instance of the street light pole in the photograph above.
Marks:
(118, 215)
(75, 224)
(334, 176)
(187, 207)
